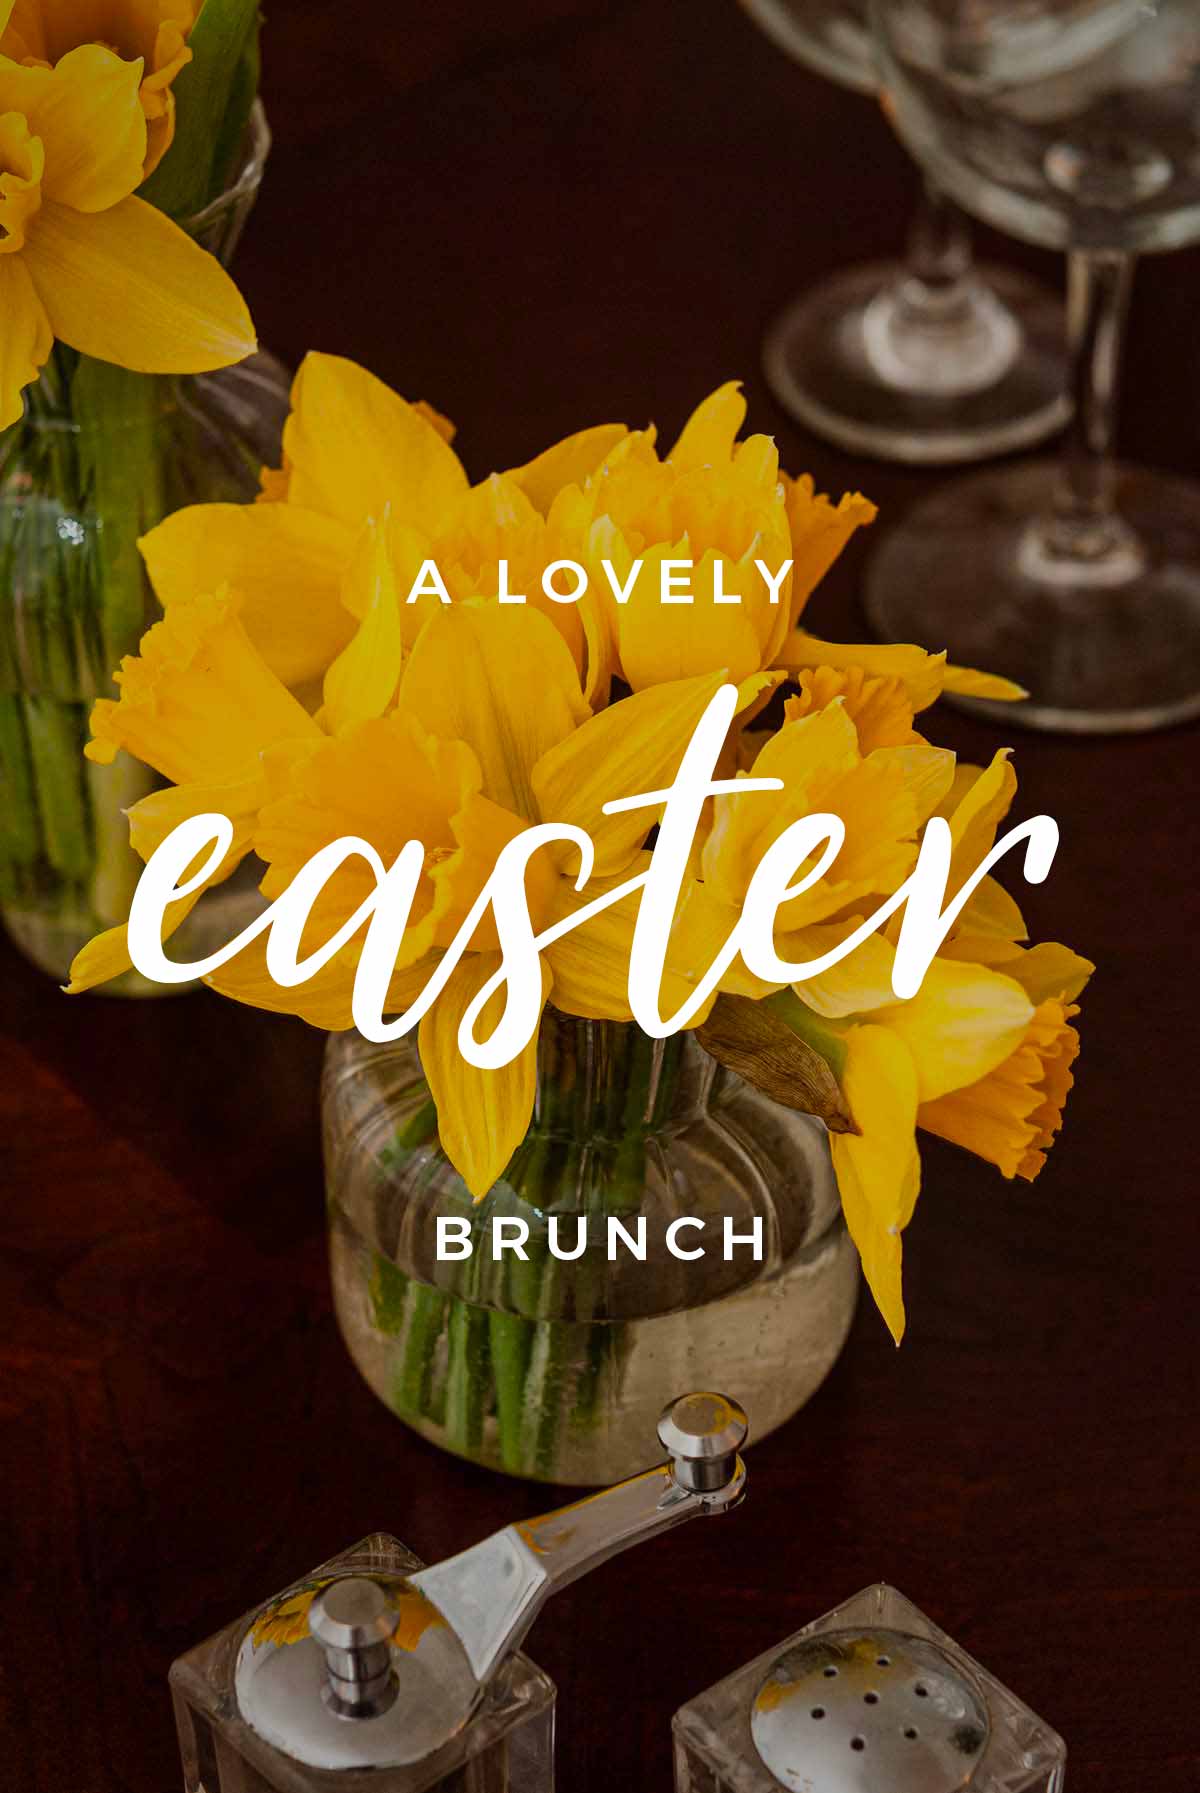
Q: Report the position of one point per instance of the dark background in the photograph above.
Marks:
(560, 214)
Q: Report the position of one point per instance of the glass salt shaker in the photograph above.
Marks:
(376, 1672)
(872, 1698)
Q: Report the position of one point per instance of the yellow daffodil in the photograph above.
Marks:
(974, 1060)
(152, 33)
(200, 706)
(1011, 1114)
(720, 504)
(981, 1054)
(354, 452)
(924, 676)
(81, 257)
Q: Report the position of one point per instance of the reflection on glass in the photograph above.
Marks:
(930, 360)
(1076, 124)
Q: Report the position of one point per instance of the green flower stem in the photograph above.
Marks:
(510, 1339)
(518, 1350)
(55, 732)
(467, 1376)
(21, 837)
(426, 1310)
(119, 416)
(82, 478)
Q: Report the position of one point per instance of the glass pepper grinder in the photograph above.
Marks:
(376, 1672)
(872, 1698)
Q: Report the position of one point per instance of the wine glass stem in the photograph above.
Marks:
(939, 242)
(935, 330)
(1085, 526)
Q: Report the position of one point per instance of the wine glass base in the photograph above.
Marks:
(962, 572)
(930, 396)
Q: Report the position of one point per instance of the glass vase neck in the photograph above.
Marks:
(218, 226)
(608, 1079)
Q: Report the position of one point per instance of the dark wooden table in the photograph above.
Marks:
(566, 212)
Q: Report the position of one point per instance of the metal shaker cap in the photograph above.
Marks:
(356, 1671)
(875, 1711)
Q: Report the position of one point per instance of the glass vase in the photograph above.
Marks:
(100, 456)
(558, 1369)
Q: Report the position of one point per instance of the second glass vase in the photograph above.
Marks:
(100, 456)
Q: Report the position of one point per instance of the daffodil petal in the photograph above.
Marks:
(154, 817)
(591, 963)
(25, 339)
(91, 121)
(106, 956)
(568, 463)
(965, 681)
(323, 1000)
(922, 674)
(992, 911)
(659, 642)
(286, 563)
(634, 746)
(857, 984)
(820, 531)
(1046, 971)
(703, 926)
(361, 682)
(879, 1168)
(708, 436)
(976, 819)
(962, 1023)
(353, 445)
(504, 682)
(127, 285)
(928, 774)
(482, 1115)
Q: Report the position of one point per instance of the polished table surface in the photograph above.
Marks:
(563, 213)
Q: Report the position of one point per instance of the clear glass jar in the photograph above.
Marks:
(101, 455)
(559, 1369)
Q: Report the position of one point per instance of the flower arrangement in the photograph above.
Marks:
(309, 682)
(126, 138)
(89, 112)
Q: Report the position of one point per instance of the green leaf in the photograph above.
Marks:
(212, 105)
(242, 94)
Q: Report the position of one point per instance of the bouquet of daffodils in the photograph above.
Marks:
(295, 687)
(90, 257)
(121, 122)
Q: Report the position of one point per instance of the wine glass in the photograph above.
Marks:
(1076, 124)
(926, 361)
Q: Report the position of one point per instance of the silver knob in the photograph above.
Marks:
(702, 1434)
(353, 1621)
